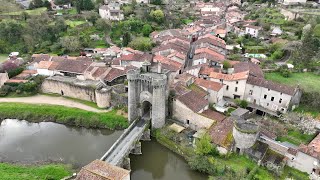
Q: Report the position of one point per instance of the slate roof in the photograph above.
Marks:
(193, 101)
(271, 85)
(208, 84)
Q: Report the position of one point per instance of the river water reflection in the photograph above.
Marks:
(32, 142)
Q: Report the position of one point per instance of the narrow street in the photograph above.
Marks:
(189, 60)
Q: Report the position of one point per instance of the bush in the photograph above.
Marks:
(241, 103)
(284, 71)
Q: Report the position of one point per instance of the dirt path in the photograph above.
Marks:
(42, 99)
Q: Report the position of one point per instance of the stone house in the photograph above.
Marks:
(210, 41)
(271, 96)
(47, 68)
(111, 11)
(253, 31)
(214, 89)
(3, 78)
(73, 68)
(135, 60)
(233, 84)
(207, 55)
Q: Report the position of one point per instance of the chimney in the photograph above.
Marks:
(159, 67)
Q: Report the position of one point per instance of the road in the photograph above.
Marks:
(188, 59)
(116, 155)
(42, 99)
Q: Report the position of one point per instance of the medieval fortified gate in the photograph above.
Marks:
(147, 96)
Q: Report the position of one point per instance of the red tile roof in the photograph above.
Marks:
(229, 77)
(193, 101)
(208, 84)
(208, 54)
(213, 115)
(220, 133)
(254, 69)
(167, 63)
(73, 66)
(114, 73)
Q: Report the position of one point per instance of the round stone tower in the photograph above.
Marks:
(159, 101)
(133, 83)
(245, 134)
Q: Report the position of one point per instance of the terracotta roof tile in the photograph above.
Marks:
(44, 64)
(193, 101)
(114, 73)
(254, 69)
(219, 133)
(208, 84)
(73, 66)
(167, 63)
(229, 77)
(213, 115)
(40, 57)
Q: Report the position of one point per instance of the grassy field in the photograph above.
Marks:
(3, 57)
(308, 81)
(8, 6)
(21, 172)
(37, 11)
(71, 11)
(73, 24)
(63, 115)
(296, 137)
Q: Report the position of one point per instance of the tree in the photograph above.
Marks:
(146, 30)
(141, 43)
(70, 43)
(36, 4)
(126, 39)
(24, 16)
(87, 5)
(157, 15)
(156, 2)
(226, 65)
(204, 146)
(47, 4)
(103, 25)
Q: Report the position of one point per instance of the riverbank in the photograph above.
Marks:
(217, 166)
(31, 172)
(63, 115)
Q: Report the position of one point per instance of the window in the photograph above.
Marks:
(236, 89)
(267, 104)
(227, 88)
(221, 80)
(265, 96)
(250, 92)
(280, 93)
(188, 121)
(280, 100)
(237, 82)
(272, 98)
(268, 89)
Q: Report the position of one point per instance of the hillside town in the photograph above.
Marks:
(233, 87)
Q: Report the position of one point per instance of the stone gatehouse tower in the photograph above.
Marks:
(147, 95)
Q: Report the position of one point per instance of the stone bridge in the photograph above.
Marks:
(128, 142)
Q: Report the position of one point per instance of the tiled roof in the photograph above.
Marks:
(135, 57)
(209, 54)
(271, 85)
(211, 39)
(100, 170)
(313, 148)
(167, 63)
(205, 70)
(208, 84)
(193, 101)
(40, 57)
(229, 77)
(254, 69)
(180, 89)
(219, 133)
(114, 73)
(73, 66)
(44, 64)
(213, 115)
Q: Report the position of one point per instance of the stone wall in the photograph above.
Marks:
(243, 140)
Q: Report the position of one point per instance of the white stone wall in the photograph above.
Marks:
(196, 121)
(229, 87)
(199, 61)
(214, 96)
(253, 32)
(258, 94)
(103, 98)
(45, 72)
(302, 162)
(243, 140)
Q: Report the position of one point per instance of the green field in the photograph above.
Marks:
(37, 11)
(22, 172)
(74, 23)
(3, 57)
(307, 81)
(63, 115)
(68, 11)
(296, 137)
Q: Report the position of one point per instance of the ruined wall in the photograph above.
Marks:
(68, 89)
(243, 140)
(103, 97)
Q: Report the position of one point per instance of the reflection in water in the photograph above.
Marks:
(157, 162)
(30, 142)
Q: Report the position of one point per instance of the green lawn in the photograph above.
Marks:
(308, 81)
(3, 57)
(63, 115)
(296, 137)
(73, 24)
(37, 11)
(71, 11)
(21, 172)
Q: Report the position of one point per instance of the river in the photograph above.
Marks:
(22, 141)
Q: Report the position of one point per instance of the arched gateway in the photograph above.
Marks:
(147, 96)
